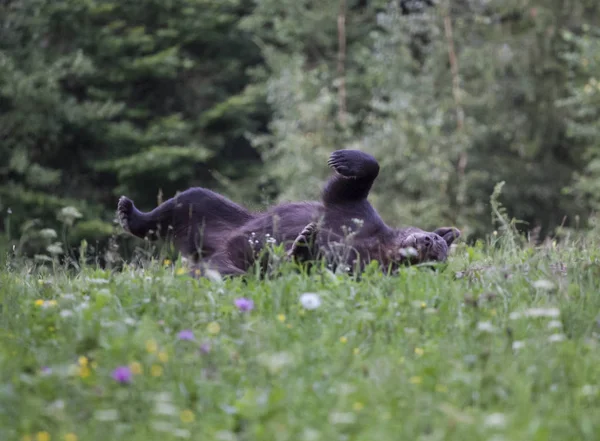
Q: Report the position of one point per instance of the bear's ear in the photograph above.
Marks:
(449, 234)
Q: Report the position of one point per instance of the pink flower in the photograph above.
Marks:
(244, 304)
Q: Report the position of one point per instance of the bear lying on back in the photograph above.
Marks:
(344, 228)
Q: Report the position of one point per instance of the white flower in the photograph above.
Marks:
(555, 324)
(310, 300)
(545, 285)
(486, 327)
(495, 420)
(536, 312)
(518, 345)
(556, 337)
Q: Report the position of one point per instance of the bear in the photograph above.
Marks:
(342, 228)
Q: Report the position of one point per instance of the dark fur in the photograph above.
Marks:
(344, 228)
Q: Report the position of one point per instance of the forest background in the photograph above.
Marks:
(147, 98)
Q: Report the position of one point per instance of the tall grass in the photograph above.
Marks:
(499, 344)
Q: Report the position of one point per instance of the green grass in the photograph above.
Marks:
(457, 354)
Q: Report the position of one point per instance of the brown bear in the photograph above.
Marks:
(344, 228)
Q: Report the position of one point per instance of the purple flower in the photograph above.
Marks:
(122, 374)
(244, 304)
(186, 334)
(205, 348)
(45, 370)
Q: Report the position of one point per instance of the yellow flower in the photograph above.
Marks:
(39, 302)
(419, 351)
(415, 380)
(343, 340)
(423, 305)
(70, 437)
(197, 272)
(42, 436)
(187, 416)
(441, 388)
(151, 346)
(156, 370)
(281, 317)
(84, 372)
(83, 361)
(136, 368)
(356, 351)
(163, 356)
(180, 271)
(167, 262)
(358, 406)
(213, 328)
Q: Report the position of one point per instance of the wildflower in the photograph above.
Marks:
(495, 420)
(441, 388)
(310, 300)
(151, 346)
(213, 328)
(281, 317)
(167, 262)
(39, 302)
(70, 437)
(83, 361)
(485, 327)
(42, 436)
(187, 416)
(180, 271)
(544, 285)
(45, 370)
(136, 368)
(244, 304)
(197, 272)
(518, 345)
(205, 348)
(84, 372)
(156, 370)
(356, 351)
(415, 380)
(122, 374)
(423, 305)
(536, 312)
(186, 334)
(419, 351)
(358, 406)
(343, 340)
(163, 356)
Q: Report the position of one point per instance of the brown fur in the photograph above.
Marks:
(344, 228)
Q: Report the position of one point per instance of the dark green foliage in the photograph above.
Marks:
(99, 99)
(102, 98)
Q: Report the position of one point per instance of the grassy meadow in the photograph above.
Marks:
(501, 343)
